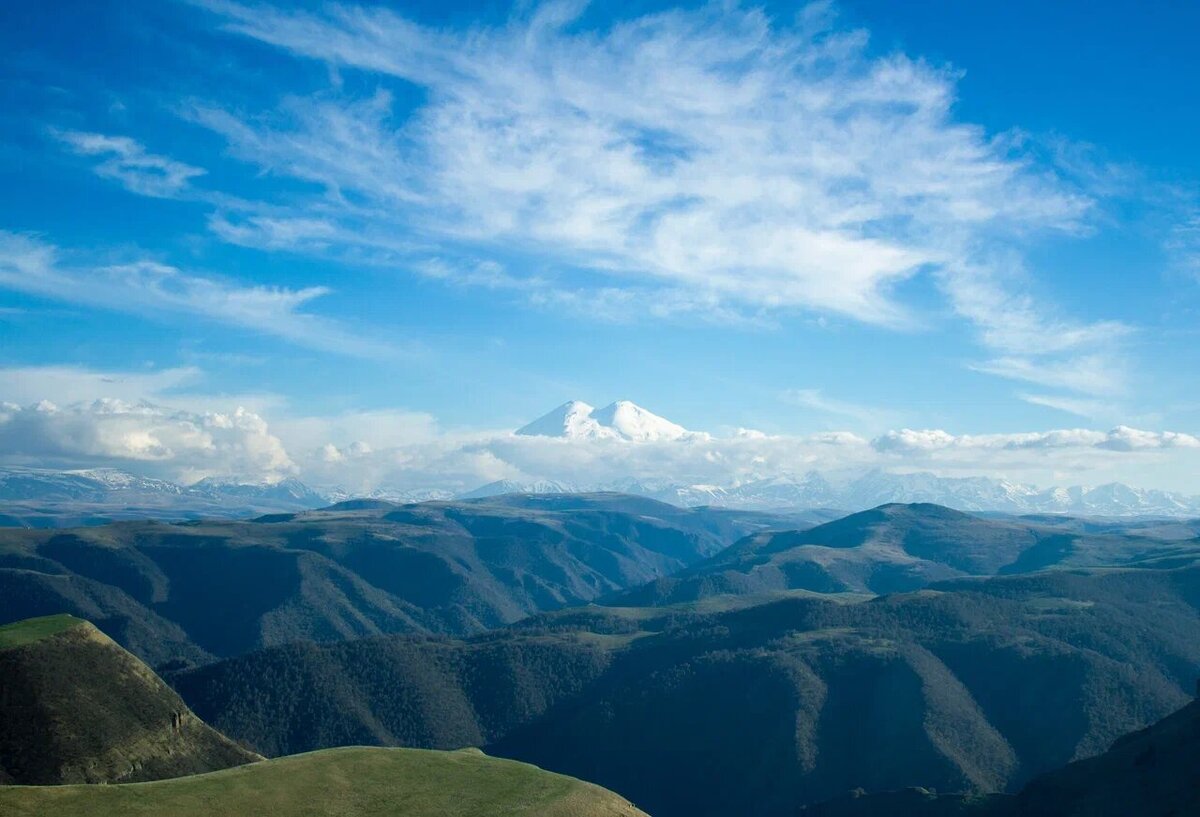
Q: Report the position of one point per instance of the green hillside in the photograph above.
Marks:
(693, 710)
(358, 569)
(30, 630)
(77, 708)
(351, 782)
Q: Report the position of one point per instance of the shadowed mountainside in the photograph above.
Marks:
(191, 591)
(971, 685)
(76, 708)
(1150, 773)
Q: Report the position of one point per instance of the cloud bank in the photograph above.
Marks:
(173, 434)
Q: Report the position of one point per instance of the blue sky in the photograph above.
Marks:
(417, 226)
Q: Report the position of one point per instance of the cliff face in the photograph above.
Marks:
(77, 708)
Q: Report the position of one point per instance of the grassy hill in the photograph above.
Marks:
(899, 548)
(77, 708)
(353, 570)
(697, 709)
(351, 782)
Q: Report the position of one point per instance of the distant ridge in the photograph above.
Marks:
(45, 498)
(813, 490)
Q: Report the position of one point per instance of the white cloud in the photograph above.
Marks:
(1121, 438)
(177, 432)
(1030, 342)
(732, 162)
(150, 288)
(1094, 374)
(170, 443)
(128, 162)
(1071, 405)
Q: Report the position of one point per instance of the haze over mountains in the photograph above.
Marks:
(46, 498)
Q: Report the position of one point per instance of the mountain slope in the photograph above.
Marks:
(356, 569)
(357, 782)
(782, 701)
(76, 708)
(1150, 773)
(895, 548)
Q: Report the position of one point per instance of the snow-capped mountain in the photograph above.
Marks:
(621, 420)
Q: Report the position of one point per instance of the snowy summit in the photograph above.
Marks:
(622, 420)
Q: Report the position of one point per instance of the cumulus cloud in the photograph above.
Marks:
(180, 445)
(1121, 438)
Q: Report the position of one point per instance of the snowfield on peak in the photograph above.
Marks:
(621, 420)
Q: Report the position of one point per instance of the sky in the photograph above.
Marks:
(360, 244)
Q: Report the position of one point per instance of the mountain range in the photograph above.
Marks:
(191, 591)
(780, 700)
(691, 660)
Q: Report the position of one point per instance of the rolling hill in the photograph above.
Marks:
(898, 548)
(351, 782)
(780, 701)
(76, 708)
(356, 569)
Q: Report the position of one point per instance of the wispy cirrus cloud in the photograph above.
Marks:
(867, 418)
(1082, 407)
(750, 164)
(149, 288)
(127, 161)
